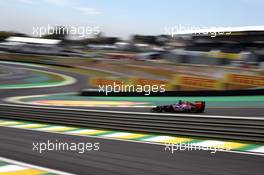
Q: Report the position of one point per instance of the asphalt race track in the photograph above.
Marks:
(82, 83)
(121, 157)
(243, 112)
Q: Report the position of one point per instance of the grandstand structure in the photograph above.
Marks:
(243, 45)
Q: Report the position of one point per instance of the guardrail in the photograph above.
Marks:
(220, 127)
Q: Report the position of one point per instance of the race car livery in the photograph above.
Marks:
(188, 107)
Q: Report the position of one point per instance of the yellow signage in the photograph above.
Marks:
(248, 80)
(198, 82)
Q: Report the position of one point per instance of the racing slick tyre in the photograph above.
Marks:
(192, 110)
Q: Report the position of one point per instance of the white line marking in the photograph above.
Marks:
(159, 138)
(260, 149)
(34, 166)
(51, 128)
(11, 168)
(25, 125)
(23, 64)
(18, 99)
(118, 134)
(81, 131)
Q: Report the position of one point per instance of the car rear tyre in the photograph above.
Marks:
(192, 110)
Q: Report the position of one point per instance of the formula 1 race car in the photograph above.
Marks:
(188, 107)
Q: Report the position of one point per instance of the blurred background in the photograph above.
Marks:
(185, 45)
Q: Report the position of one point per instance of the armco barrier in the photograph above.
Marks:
(220, 127)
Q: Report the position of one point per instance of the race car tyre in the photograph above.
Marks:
(192, 110)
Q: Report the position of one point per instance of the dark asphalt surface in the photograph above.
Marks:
(83, 83)
(244, 112)
(120, 157)
(126, 158)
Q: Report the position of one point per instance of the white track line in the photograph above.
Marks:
(8, 168)
(23, 164)
(258, 149)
